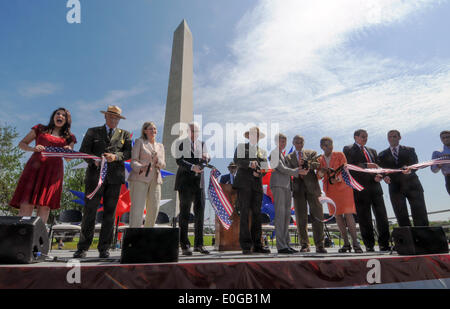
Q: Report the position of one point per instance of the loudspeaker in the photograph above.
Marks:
(150, 245)
(23, 240)
(420, 240)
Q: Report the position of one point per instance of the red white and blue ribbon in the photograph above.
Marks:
(390, 171)
(219, 201)
(103, 171)
(348, 179)
(326, 200)
(60, 152)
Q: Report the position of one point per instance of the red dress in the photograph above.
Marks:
(41, 180)
(340, 193)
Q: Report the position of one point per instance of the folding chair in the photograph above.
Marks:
(68, 222)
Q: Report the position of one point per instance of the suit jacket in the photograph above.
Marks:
(226, 179)
(355, 156)
(399, 181)
(309, 181)
(97, 142)
(142, 155)
(186, 178)
(243, 154)
(281, 174)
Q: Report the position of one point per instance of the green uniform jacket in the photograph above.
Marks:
(97, 142)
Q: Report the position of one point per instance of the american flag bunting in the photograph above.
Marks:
(219, 201)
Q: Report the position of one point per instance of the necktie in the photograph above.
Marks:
(110, 133)
(395, 154)
(366, 154)
(231, 178)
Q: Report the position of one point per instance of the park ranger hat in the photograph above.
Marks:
(114, 110)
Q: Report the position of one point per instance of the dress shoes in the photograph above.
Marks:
(79, 254)
(292, 250)
(305, 249)
(104, 254)
(370, 249)
(261, 250)
(385, 248)
(187, 251)
(321, 250)
(285, 251)
(246, 251)
(357, 249)
(201, 249)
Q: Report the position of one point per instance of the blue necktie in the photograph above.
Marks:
(395, 154)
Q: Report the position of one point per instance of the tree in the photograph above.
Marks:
(10, 167)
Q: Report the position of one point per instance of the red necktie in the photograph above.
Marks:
(366, 154)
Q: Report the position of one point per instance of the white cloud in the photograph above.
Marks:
(137, 106)
(32, 90)
(291, 63)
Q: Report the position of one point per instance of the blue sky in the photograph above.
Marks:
(314, 67)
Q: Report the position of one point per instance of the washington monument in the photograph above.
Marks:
(179, 107)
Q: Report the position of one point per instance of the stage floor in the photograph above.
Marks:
(63, 256)
(233, 270)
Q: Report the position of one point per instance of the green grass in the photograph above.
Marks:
(72, 245)
(207, 240)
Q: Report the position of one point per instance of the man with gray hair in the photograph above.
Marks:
(280, 185)
(306, 190)
(189, 183)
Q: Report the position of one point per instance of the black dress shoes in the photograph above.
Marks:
(261, 250)
(187, 251)
(104, 254)
(201, 249)
(285, 251)
(305, 249)
(79, 254)
(321, 250)
(246, 251)
(385, 248)
(292, 250)
(370, 249)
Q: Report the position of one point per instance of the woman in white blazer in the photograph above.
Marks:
(147, 160)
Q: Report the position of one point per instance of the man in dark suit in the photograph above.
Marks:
(372, 195)
(250, 159)
(306, 190)
(404, 185)
(115, 145)
(189, 183)
(229, 178)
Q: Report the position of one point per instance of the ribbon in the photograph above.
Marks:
(59, 152)
(390, 171)
(326, 200)
(101, 178)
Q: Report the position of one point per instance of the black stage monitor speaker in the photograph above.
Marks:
(420, 240)
(150, 245)
(23, 240)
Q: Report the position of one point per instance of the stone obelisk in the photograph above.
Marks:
(179, 107)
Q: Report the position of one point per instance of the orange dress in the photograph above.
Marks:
(340, 193)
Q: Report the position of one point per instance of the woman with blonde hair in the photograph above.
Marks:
(147, 160)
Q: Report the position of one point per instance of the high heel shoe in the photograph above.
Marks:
(345, 248)
(358, 249)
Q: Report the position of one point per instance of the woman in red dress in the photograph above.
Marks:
(40, 184)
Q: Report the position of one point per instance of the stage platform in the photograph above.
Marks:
(233, 270)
